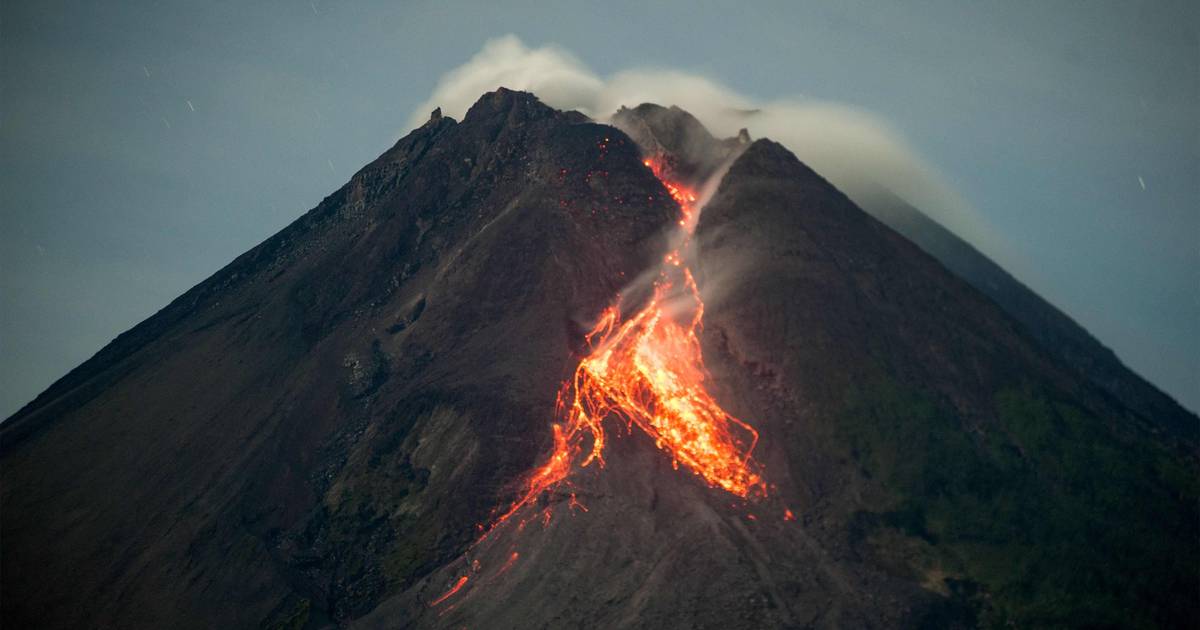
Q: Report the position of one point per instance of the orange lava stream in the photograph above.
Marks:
(648, 371)
(462, 581)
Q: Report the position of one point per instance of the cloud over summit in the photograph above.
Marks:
(854, 149)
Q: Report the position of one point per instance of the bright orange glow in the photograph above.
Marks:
(512, 559)
(684, 196)
(453, 589)
(649, 372)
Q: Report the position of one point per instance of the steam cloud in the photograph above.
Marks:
(850, 147)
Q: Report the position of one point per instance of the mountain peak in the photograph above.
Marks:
(676, 139)
(515, 105)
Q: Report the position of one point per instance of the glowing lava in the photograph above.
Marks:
(462, 581)
(648, 371)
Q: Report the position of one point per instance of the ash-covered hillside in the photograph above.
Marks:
(314, 436)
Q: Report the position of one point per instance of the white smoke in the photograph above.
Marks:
(849, 146)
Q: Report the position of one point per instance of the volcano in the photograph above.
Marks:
(528, 370)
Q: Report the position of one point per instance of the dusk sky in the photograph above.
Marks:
(144, 146)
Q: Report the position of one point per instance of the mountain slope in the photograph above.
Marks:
(694, 154)
(251, 451)
(1050, 326)
(314, 435)
(964, 455)
(946, 469)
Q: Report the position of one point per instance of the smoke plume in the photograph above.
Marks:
(849, 146)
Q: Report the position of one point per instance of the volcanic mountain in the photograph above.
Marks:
(382, 416)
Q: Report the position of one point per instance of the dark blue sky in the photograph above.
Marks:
(144, 146)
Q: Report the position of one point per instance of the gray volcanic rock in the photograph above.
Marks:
(924, 431)
(945, 469)
(692, 154)
(689, 153)
(657, 548)
(313, 436)
(1052, 328)
(326, 419)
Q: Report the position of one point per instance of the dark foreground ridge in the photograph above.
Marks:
(310, 437)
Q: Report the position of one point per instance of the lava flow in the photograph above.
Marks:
(648, 371)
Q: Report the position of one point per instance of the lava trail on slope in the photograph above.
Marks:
(645, 371)
(648, 371)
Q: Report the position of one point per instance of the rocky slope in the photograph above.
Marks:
(1052, 328)
(312, 436)
(327, 418)
(941, 439)
(695, 153)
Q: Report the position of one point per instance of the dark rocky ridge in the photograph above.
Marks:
(310, 436)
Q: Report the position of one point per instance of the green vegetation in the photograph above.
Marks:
(1042, 516)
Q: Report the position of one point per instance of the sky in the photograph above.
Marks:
(144, 146)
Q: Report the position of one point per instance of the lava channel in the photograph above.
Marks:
(648, 371)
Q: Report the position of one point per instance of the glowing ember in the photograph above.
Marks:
(462, 581)
(648, 371)
(512, 559)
